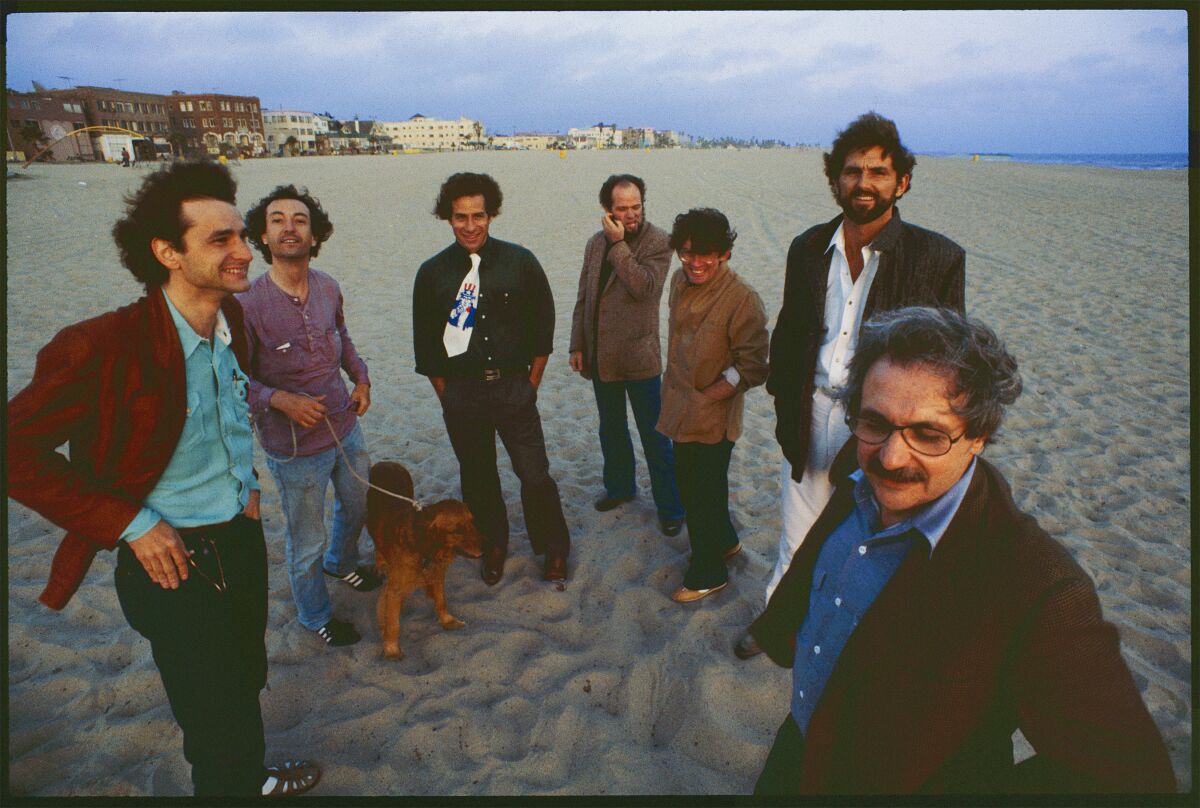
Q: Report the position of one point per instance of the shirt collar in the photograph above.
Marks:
(883, 241)
(188, 337)
(930, 521)
(483, 252)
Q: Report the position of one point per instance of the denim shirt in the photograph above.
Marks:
(854, 565)
(210, 475)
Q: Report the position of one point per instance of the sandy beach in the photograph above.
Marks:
(608, 687)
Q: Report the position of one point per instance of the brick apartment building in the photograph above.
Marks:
(34, 121)
(143, 113)
(203, 121)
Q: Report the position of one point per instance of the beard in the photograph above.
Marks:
(880, 207)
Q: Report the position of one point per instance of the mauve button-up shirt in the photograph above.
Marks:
(300, 348)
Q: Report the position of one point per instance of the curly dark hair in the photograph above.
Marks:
(983, 374)
(606, 190)
(256, 219)
(155, 210)
(865, 131)
(707, 228)
(467, 183)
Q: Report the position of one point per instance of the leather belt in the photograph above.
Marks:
(495, 374)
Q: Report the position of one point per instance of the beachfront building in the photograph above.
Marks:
(599, 136)
(289, 131)
(144, 114)
(434, 134)
(215, 123)
(637, 137)
(34, 121)
(539, 140)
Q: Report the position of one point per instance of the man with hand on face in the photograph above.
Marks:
(615, 343)
(926, 618)
(483, 330)
(838, 274)
(151, 400)
(307, 422)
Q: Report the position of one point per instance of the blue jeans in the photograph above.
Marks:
(645, 396)
(302, 484)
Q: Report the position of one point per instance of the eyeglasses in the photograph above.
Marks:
(927, 440)
(703, 259)
(219, 584)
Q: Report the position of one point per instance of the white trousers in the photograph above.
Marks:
(800, 503)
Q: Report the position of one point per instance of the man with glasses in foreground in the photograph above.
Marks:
(865, 260)
(151, 400)
(926, 618)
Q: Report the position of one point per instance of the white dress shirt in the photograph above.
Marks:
(845, 300)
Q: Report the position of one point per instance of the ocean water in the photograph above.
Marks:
(1127, 161)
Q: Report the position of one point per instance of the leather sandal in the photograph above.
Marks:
(290, 778)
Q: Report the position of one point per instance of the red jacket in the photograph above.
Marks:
(999, 629)
(114, 389)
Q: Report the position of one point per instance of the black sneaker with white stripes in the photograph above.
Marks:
(362, 579)
(338, 632)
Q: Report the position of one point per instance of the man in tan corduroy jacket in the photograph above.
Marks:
(716, 351)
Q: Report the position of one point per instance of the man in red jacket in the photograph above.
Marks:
(926, 618)
(151, 400)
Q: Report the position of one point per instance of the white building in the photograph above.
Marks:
(280, 124)
(600, 136)
(434, 134)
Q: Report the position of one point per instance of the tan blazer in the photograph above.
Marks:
(629, 347)
(713, 326)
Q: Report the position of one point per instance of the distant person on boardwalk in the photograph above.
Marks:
(926, 618)
(299, 346)
(125, 157)
(151, 400)
(865, 260)
(716, 351)
(483, 330)
(615, 343)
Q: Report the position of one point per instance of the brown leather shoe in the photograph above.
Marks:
(492, 568)
(556, 568)
(685, 595)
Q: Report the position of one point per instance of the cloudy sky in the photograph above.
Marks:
(1009, 81)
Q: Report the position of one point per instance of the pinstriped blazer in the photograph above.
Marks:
(917, 267)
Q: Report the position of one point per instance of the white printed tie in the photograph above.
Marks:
(461, 322)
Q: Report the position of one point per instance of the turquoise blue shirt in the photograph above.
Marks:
(853, 567)
(210, 476)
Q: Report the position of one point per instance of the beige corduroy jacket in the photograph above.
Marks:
(629, 346)
(713, 326)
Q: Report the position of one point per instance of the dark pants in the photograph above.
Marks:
(781, 773)
(210, 651)
(475, 411)
(645, 398)
(702, 471)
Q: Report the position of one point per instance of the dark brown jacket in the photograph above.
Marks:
(917, 268)
(629, 345)
(998, 629)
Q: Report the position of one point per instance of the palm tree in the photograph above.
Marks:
(32, 133)
(291, 143)
(478, 132)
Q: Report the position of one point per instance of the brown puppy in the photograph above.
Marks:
(414, 548)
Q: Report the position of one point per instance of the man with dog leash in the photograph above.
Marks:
(307, 422)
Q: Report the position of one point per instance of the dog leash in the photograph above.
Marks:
(415, 503)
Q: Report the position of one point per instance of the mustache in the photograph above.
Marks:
(900, 475)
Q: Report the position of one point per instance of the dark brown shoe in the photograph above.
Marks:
(492, 568)
(556, 568)
(607, 503)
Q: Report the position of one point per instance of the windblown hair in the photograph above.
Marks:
(155, 210)
(318, 219)
(606, 190)
(982, 374)
(468, 184)
(864, 132)
(707, 228)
